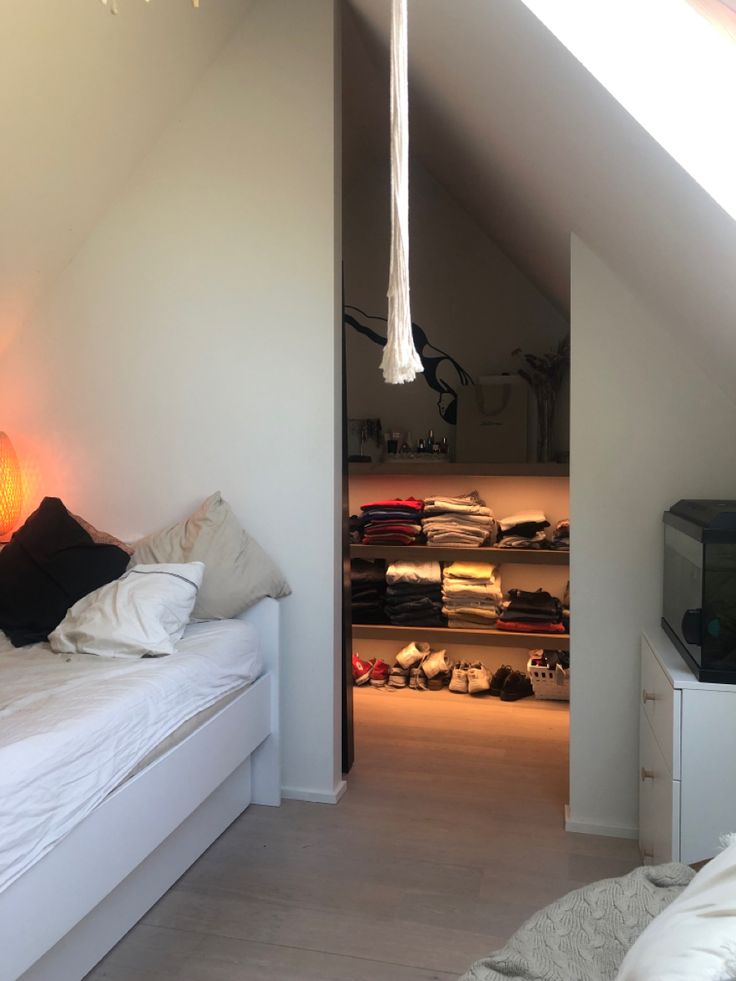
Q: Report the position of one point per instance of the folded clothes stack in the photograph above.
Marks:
(561, 535)
(393, 522)
(464, 521)
(528, 612)
(471, 594)
(368, 587)
(523, 530)
(414, 594)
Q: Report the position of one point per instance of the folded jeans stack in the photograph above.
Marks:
(464, 521)
(528, 612)
(368, 587)
(392, 522)
(414, 594)
(523, 530)
(561, 535)
(471, 594)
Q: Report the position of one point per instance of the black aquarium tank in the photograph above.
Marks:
(699, 597)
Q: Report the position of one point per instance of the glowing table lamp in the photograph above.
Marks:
(10, 488)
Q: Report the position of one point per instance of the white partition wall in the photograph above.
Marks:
(189, 345)
(647, 428)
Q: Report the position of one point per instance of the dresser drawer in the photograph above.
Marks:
(659, 801)
(661, 705)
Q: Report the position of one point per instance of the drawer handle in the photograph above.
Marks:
(647, 696)
(647, 774)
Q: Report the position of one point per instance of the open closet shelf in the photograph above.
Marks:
(497, 556)
(462, 635)
(459, 469)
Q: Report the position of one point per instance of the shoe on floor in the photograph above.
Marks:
(479, 679)
(459, 680)
(516, 686)
(379, 673)
(361, 670)
(412, 654)
(439, 681)
(417, 678)
(436, 663)
(398, 677)
(499, 678)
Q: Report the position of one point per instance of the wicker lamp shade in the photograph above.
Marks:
(10, 487)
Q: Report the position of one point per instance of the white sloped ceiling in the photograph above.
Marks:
(83, 96)
(535, 148)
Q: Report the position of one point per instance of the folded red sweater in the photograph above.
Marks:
(529, 627)
(389, 527)
(409, 503)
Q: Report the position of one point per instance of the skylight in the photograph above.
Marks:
(668, 66)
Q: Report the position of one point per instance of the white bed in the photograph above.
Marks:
(116, 775)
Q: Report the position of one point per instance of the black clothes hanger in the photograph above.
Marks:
(431, 362)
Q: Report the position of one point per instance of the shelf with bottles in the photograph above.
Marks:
(490, 636)
(439, 553)
(400, 465)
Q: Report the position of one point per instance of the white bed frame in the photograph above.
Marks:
(67, 911)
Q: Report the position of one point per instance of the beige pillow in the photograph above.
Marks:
(237, 572)
(101, 537)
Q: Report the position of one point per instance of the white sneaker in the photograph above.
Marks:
(459, 680)
(479, 678)
(435, 663)
(412, 654)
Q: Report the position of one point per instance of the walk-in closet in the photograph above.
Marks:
(457, 484)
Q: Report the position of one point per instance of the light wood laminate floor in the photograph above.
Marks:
(450, 835)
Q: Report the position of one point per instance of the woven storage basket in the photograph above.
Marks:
(549, 683)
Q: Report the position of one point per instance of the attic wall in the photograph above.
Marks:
(647, 429)
(191, 346)
(83, 96)
(470, 299)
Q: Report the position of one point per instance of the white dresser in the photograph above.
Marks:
(687, 757)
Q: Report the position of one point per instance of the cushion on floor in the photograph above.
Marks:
(695, 937)
(585, 935)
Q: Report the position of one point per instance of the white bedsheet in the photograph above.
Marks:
(73, 727)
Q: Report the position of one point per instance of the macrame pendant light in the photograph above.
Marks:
(400, 362)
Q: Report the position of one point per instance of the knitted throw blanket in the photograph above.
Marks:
(585, 935)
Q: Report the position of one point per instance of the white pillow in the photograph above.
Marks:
(238, 572)
(142, 613)
(694, 939)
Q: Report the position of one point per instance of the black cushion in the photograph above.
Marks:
(49, 564)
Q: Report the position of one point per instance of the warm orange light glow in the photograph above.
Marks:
(11, 495)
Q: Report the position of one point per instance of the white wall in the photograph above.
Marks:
(648, 428)
(82, 97)
(190, 344)
(471, 300)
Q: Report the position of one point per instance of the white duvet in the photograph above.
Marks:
(72, 727)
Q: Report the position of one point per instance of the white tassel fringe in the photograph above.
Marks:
(400, 362)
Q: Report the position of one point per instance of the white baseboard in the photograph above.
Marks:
(605, 830)
(315, 796)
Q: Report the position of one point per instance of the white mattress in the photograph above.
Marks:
(73, 727)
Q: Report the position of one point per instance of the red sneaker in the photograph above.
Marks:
(379, 673)
(361, 670)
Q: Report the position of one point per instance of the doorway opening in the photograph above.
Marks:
(457, 547)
